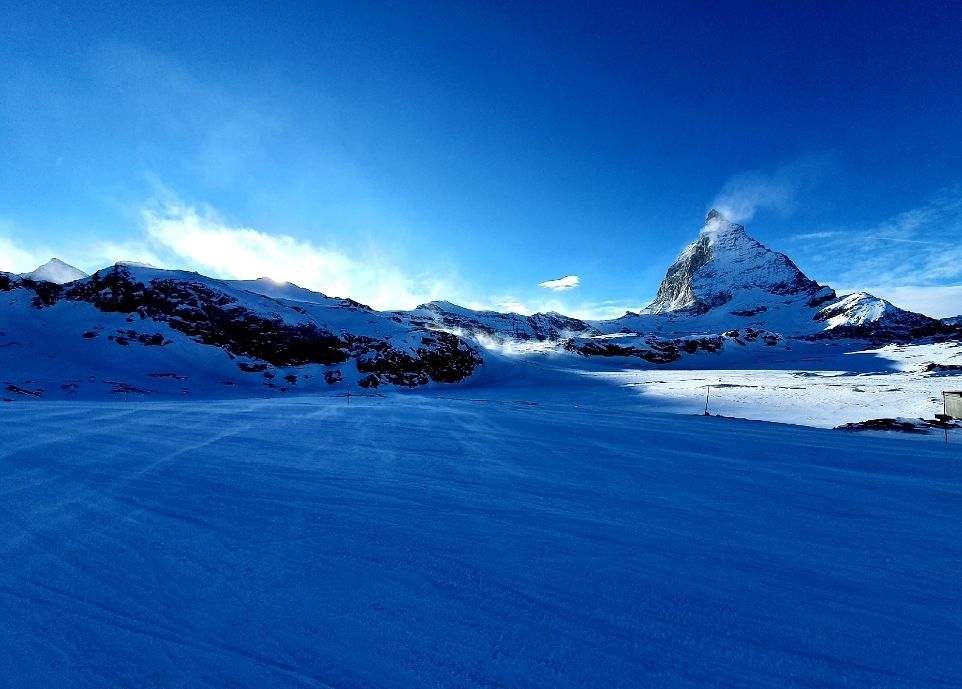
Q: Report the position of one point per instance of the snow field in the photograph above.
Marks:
(542, 537)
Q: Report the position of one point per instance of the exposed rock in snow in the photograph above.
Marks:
(207, 322)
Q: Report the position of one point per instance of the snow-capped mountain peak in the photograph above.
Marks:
(725, 263)
(55, 271)
(717, 226)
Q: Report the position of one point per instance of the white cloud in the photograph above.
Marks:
(209, 244)
(18, 256)
(14, 259)
(778, 190)
(561, 284)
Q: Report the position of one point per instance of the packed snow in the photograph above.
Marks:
(518, 532)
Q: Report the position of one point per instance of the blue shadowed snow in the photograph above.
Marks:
(522, 541)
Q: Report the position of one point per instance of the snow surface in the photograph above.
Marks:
(812, 384)
(529, 530)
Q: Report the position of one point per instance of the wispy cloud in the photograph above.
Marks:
(778, 190)
(913, 259)
(561, 284)
(812, 236)
(199, 237)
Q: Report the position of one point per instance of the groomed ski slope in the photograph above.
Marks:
(495, 537)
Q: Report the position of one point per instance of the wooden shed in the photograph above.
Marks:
(953, 404)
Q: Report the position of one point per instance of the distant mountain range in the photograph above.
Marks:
(136, 329)
(724, 281)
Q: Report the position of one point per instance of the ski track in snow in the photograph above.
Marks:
(499, 535)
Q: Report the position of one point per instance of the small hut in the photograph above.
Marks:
(952, 402)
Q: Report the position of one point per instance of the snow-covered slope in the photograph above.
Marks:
(55, 271)
(546, 538)
(863, 315)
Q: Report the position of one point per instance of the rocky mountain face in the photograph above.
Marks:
(238, 333)
(726, 279)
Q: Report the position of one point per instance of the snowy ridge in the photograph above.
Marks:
(867, 316)
(145, 330)
(725, 290)
(498, 328)
(725, 297)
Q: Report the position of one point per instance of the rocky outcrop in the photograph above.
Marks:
(211, 317)
(262, 329)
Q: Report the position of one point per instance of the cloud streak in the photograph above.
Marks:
(913, 259)
(561, 284)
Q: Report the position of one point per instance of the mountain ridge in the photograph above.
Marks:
(135, 327)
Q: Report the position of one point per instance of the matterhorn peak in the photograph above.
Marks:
(718, 225)
(723, 263)
(716, 215)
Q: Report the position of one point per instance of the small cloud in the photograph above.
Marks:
(561, 284)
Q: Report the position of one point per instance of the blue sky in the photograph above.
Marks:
(400, 152)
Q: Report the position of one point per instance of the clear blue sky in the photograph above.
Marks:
(395, 152)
